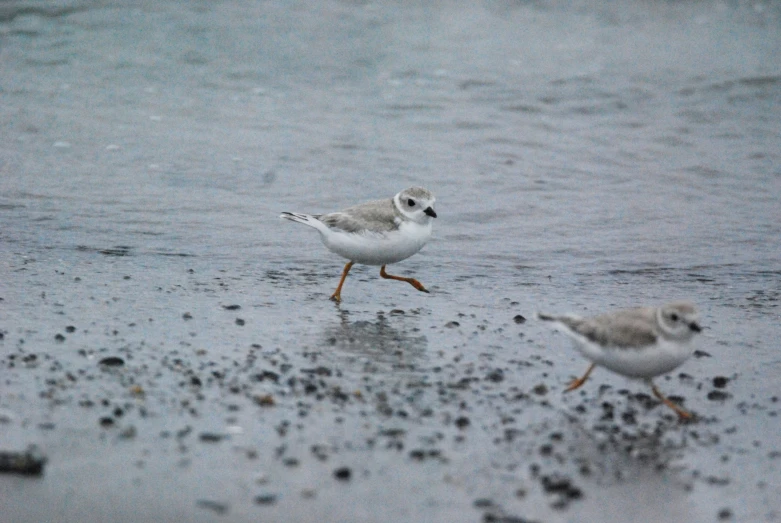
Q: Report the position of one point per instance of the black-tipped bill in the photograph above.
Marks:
(695, 327)
(430, 212)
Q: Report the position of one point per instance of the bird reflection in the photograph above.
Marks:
(377, 344)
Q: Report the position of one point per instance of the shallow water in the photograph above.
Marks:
(584, 158)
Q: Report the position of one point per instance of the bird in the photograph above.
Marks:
(378, 232)
(641, 342)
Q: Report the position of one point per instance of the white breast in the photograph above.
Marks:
(378, 248)
(646, 362)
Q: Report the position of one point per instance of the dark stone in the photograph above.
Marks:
(540, 390)
(718, 395)
(266, 499)
(318, 371)
(266, 375)
(112, 361)
(719, 482)
(214, 506)
(720, 382)
(27, 463)
(496, 375)
(562, 485)
(417, 454)
(343, 473)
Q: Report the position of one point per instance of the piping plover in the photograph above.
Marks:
(643, 342)
(376, 233)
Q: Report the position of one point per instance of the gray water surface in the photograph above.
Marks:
(584, 156)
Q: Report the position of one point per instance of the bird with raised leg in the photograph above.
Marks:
(642, 342)
(379, 232)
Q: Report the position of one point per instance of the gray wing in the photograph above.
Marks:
(377, 216)
(629, 329)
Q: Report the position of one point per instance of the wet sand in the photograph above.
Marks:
(168, 346)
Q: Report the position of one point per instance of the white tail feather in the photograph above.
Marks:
(306, 219)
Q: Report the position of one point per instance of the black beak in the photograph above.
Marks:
(695, 327)
(430, 212)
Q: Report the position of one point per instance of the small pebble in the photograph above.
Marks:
(720, 382)
(211, 437)
(214, 506)
(28, 463)
(112, 361)
(343, 473)
(540, 390)
(266, 499)
(718, 395)
(497, 375)
(128, 432)
(265, 400)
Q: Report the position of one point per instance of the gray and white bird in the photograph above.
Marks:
(641, 343)
(379, 232)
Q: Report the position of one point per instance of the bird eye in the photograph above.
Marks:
(674, 317)
(411, 202)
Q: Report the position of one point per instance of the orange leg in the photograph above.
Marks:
(682, 414)
(412, 281)
(574, 384)
(337, 295)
